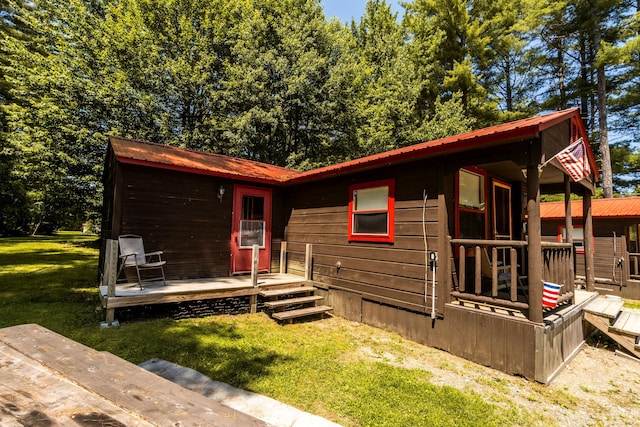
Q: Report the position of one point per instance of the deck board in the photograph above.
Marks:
(302, 312)
(130, 294)
(47, 379)
(269, 293)
(292, 301)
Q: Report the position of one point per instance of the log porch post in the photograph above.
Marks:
(568, 227)
(308, 262)
(283, 257)
(534, 243)
(588, 239)
(253, 299)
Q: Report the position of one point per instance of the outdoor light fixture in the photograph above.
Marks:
(220, 193)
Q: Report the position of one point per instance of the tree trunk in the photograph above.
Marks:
(605, 156)
(561, 88)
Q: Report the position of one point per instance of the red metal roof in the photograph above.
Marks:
(150, 154)
(166, 157)
(524, 128)
(620, 207)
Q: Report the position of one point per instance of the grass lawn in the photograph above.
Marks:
(318, 366)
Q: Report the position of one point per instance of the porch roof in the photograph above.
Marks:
(516, 130)
(619, 207)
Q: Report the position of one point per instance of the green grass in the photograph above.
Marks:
(633, 304)
(313, 366)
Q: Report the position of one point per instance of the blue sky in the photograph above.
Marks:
(347, 9)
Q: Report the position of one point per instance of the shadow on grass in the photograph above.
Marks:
(52, 281)
(215, 348)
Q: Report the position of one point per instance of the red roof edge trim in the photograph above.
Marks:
(237, 177)
(425, 149)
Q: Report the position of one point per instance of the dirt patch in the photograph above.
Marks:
(598, 387)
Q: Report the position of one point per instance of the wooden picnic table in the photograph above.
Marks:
(47, 379)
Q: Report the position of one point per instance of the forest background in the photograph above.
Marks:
(277, 82)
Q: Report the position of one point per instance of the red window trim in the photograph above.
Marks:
(459, 208)
(391, 201)
(562, 227)
(495, 182)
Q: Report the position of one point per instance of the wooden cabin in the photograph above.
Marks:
(439, 241)
(616, 243)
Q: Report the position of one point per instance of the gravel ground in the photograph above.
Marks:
(598, 387)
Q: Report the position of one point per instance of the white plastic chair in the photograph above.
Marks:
(132, 255)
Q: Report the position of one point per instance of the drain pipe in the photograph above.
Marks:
(433, 260)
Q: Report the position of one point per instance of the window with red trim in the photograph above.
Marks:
(371, 211)
(471, 212)
(577, 237)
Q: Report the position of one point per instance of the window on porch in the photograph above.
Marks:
(577, 235)
(471, 204)
(633, 238)
(502, 221)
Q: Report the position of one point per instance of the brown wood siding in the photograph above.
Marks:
(179, 214)
(392, 274)
(110, 209)
(604, 256)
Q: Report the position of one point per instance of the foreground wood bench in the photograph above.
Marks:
(47, 379)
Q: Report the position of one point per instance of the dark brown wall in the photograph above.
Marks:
(391, 273)
(178, 213)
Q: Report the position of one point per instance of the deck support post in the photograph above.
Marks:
(462, 268)
(253, 299)
(110, 276)
(535, 244)
(588, 239)
(283, 257)
(478, 270)
(308, 262)
(568, 227)
(444, 263)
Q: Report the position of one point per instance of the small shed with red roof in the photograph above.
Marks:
(616, 242)
(440, 241)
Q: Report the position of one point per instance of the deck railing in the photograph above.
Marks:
(496, 271)
(557, 267)
(496, 263)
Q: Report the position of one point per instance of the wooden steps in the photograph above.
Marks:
(290, 290)
(627, 322)
(291, 302)
(301, 312)
(605, 307)
(623, 326)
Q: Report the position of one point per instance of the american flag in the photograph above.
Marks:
(550, 294)
(575, 160)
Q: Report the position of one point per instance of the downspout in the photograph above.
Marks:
(430, 259)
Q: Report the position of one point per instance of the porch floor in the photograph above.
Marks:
(130, 294)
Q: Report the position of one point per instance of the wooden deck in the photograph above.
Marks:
(130, 294)
(47, 379)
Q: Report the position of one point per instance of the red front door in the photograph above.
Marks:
(251, 226)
